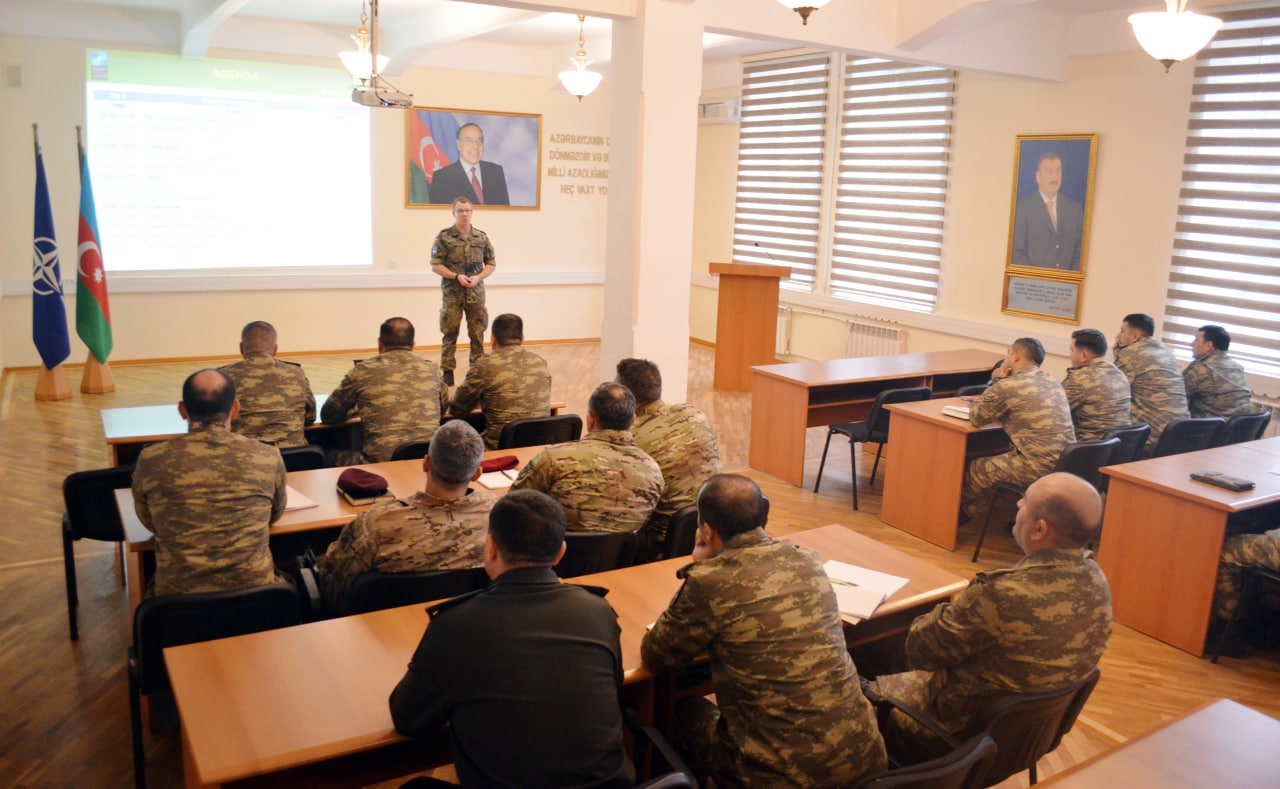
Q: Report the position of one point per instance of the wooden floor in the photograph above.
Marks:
(66, 715)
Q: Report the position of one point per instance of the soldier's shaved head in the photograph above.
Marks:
(456, 449)
(527, 526)
(258, 337)
(1068, 504)
(732, 504)
(613, 406)
(396, 334)
(642, 377)
(208, 396)
(508, 329)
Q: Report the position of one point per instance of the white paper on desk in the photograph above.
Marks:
(860, 591)
(496, 480)
(958, 411)
(297, 501)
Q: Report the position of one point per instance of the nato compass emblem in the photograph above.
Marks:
(44, 268)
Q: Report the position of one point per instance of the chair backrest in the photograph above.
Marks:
(1084, 458)
(411, 450)
(540, 430)
(970, 390)
(1189, 435)
(1132, 439)
(1244, 427)
(176, 619)
(90, 501)
(878, 419)
(589, 552)
(681, 533)
(306, 458)
(1028, 726)
(375, 591)
(964, 768)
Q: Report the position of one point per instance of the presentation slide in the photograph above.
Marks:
(216, 164)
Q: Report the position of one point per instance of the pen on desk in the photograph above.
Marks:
(842, 583)
(504, 473)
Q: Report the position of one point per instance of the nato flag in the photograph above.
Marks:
(48, 313)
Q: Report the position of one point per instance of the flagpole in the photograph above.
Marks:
(51, 383)
(97, 378)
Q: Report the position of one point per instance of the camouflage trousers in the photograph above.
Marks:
(983, 473)
(903, 734)
(450, 320)
(1238, 553)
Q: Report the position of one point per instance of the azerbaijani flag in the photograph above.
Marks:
(93, 312)
(48, 313)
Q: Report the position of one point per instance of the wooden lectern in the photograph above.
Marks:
(746, 321)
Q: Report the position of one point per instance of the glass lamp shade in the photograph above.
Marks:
(359, 63)
(580, 82)
(1171, 36)
(794, 4)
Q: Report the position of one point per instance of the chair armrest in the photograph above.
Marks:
(885, 707)
(649, 735)
(309, 588)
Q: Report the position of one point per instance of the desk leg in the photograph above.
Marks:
(1160, 554)
(136, 580)
(779, 417)
(922, 485)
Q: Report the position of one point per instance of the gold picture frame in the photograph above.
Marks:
(442, 145)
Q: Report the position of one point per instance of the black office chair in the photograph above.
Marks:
(587, 552)
(970, 390)
(1189, 435)
(308, 458)
(374, 591)
(647, 737)
(964, 767)
(1132, 439)
(1257, 585)
(681, 533)
(540, 430)
(173, 620)
(1082, 458)
(91, 514)
(1244, 427)
(411, 450)
(875, 428)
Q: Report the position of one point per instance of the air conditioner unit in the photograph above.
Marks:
(720, 111)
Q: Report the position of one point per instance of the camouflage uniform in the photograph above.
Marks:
(604, 482)
(210, 496)
(1098, 394)
(791, 709)
(1040, 625)
(1159, 396)
(509, 383)
(275, 400)
(682, 440)
(399, 397)
(462, 255)
(1238, 553)
(1034, 411)
(1217, 385)
(418, 533)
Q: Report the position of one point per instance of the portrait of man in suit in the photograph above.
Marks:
(481, 182)
(1048, 226)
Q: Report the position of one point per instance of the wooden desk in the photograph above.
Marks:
(788, 398)
(922, 485)
(1219, 744)
(404, 478)
(1162, 536)
(316, 694)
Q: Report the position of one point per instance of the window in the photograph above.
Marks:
(1226, 251)
(865, 225)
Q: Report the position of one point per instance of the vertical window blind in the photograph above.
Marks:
(1226, 252)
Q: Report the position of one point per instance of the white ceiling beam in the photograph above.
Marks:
(200, 19)
(438, 26)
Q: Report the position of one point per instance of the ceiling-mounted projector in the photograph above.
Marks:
(363, 63)
(381, 96)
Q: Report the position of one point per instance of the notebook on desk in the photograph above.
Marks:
(957, 411)
(859, 590)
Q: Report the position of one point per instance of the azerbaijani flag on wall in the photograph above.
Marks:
(93, 312)
(48, 313)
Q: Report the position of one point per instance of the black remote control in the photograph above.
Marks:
(1223, 480)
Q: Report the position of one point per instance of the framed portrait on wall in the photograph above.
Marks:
(491, 158)
(1052, 202)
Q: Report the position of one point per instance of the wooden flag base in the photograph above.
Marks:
(52, 384)
(97, 377)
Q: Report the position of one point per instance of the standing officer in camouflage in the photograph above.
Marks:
(1038, 626)
(1034, 411)
(508, 383)
(210, 496)
(604, 481)
(1216, 384)
(1097, 391)
(463, 257)
(441, 527)
(275, 397)
(398, 395)
(679, 437)
(1159, 395)
(791, 710)
(1239, 553)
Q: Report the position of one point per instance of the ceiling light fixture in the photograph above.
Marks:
(359, 61)
(579, 81)
(1173, 34)
(804, 7)
(365, 64)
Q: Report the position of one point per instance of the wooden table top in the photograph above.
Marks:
(1252, 460)
(266, 701)
(931, 411)
(873, 368)
(1221, 743)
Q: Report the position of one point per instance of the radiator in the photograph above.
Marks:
(1269, 404)
(873, 339)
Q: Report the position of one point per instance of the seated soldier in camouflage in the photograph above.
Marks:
(679, 437)
(1097, 391)
(1155, 379)
(1216, 384)
(398, 395)
(1239, 553)
(604, 482)
(508, 383)
(791, 711)
(275, 397)
(1038, 626)
(440, 528)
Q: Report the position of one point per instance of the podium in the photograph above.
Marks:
(746, 321)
